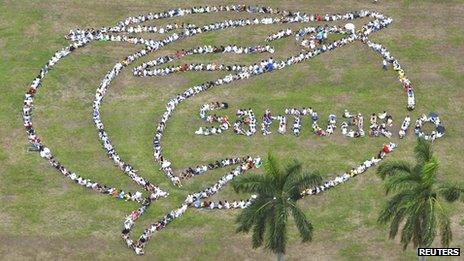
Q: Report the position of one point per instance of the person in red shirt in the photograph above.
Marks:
(386, 148)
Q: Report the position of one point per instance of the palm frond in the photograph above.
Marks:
(291, 170)
(300, 182)
(445, 229)
(272, 167)
(277, 239)
(245, 221)
(401, 182)
(391, 168)
(429, 171)
(302, 223)
(294, 167)
(398, 217)
(429, 224)
(258, 231)
(423, 150)
(251, 214)
(397, 202)
(407, 232)
(450, 192)
(416, 204)
(257, 184)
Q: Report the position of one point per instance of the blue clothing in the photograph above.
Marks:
(270, 66)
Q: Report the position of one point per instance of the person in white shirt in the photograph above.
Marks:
(45, 153)
(382, 115)
(344, 128)
(347, 114)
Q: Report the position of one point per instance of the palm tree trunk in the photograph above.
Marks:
(280, 257)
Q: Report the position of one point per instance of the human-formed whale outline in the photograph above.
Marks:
(80, 38)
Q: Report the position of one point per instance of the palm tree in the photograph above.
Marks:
(417, 205)
(277, 191)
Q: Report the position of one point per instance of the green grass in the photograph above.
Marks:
(44, 216)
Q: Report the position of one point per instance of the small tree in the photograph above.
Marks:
(417, 205)
(277, 192)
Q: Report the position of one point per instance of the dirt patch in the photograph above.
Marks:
(32, 31)
(43, 247)
(343, 98)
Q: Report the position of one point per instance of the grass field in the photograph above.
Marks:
(44, 216)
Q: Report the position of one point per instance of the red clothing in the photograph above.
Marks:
(386, 148)
(184, 68)
(135, 215)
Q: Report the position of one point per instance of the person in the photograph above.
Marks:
(165, 164)
(386, 148)
(440, 131)
(45, 153)
(296, 126)
(373, 119)
(330, 129)
(282, 124)
(199, 131)
(347, 114)
(360, 121)
(404, 127)
(382, 115)
(344, 128)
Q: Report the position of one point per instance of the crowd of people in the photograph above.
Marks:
(342, 178)
(247, 118)
(389, 59)
(380, 123)
(357, 121)
(433, 119)
(147, 233)
(297, 114)
(234, 204)
(256, 69)
(103, 135)
(47, 154)
(280, 34)
(316, 35)
(200, 169)
(191, 200)
(142, 70)
(330, 183)
(81, 38)
(404, 127)
(222, 120)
